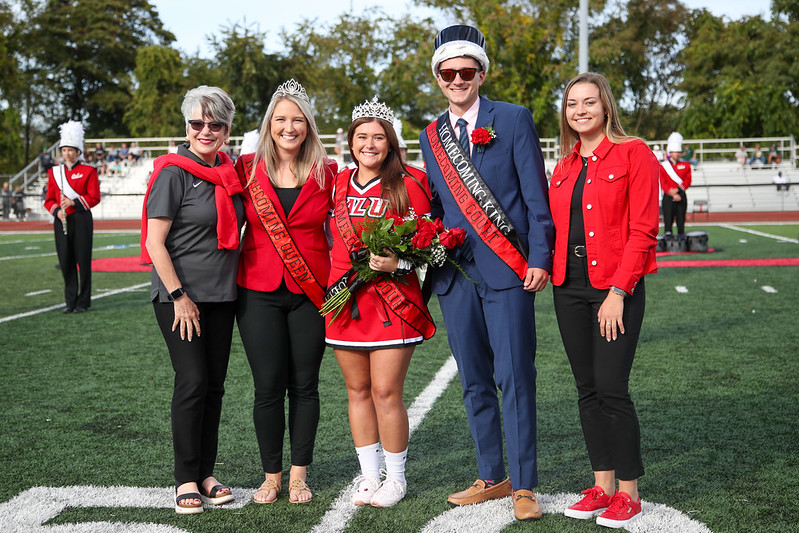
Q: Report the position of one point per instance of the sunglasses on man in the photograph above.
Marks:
(466, 74)
(214, 126)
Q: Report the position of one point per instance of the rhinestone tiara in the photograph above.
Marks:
(291, 88)
(375, 109)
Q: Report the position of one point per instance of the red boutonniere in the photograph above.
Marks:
(482, 137)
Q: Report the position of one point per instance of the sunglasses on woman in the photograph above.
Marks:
(466, 74)
(214, 126)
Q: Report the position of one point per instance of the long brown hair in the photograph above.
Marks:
(392, 172)
(613, 130)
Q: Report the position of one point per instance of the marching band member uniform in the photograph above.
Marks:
(374, 335)
(675, 178)
(490, 323)
(603, 196)
(283, 273)
(72, 190)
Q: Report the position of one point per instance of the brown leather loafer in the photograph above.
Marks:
(525, 505)
(478, 492)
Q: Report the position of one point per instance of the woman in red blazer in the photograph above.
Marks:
(604, 201)
(283, 270)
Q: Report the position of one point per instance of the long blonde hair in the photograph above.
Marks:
(613, 130)
(310, 161)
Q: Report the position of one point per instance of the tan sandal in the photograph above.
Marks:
(267, 486)
(296, 487)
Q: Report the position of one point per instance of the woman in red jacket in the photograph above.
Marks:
(72, 190)
(604, 201)
(283, 270)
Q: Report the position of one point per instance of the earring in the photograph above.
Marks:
(227, 141)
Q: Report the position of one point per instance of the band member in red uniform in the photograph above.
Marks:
(675, 177)
(603, 196)
(373, 343)
(283, 273)
(72, 190)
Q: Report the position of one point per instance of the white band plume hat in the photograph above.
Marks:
(459, 41)
(71, 135)
(250, 142)
(674, 143)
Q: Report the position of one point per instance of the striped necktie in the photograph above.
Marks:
(463, 135)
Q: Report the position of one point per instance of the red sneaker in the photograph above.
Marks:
(594, 502)
(621, 511)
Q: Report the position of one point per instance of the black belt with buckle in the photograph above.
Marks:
(579, 250)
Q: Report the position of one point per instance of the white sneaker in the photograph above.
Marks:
(365, 487)
(390, 492)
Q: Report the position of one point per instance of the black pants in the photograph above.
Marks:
(200, 369)
(675, 210)
(602, 371)
(284, 337)
(74, 251)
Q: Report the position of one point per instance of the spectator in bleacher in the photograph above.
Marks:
(277, 311)
(675, 178)
(113, 154)
(774, 156)
(658, 153)
(173, 149)
(123, 152)
(604, 204)
(6, 194)
(758, 158)
(72, 190)
(135, 153)
(688, 155)
(192, 218)
(740, 155)
(19, 203)
(99, 152)
(45, 161)
(781, 181)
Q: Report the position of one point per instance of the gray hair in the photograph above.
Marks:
(213, 102)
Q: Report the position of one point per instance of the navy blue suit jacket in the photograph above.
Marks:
(512, 166)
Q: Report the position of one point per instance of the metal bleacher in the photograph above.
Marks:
(720, 184)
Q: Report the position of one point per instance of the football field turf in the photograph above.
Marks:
(85, 439)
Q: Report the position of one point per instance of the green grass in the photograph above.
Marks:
(86, 402)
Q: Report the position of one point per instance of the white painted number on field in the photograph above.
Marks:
(769, 289)
(681, 289)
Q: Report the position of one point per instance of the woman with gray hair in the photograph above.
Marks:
(192, 216)
(282, 274)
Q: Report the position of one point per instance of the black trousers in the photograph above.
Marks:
(200, 369)
(675, 210)
(284, 337)
(74, 251)
(602, 371)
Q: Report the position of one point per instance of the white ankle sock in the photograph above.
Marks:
(369, 457)
(395, 465)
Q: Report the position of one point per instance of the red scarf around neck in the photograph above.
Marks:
(227, 183)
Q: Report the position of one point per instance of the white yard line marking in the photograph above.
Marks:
(681, 289)
(36, 293)
(760, 233)
(61, 306)
(769, 288)
(100, 249)
(341, 511)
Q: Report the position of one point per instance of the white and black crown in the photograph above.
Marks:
(291, 88)
(375, 109)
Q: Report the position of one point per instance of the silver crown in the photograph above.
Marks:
(291, 88)
(375, 109)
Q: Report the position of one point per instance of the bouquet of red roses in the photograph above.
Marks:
(420, 241)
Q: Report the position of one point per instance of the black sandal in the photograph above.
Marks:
(188, 509)
(212, 498)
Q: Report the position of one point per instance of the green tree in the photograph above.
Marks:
(89, 48)
(154, 110)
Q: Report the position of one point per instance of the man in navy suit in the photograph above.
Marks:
(487, 176)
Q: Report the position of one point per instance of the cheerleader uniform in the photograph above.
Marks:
(375, 325)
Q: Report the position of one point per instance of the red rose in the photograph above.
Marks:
(452, 238)
(397, 221)
(439, 225)
(422, 240)
(481, 136)
(424, 225)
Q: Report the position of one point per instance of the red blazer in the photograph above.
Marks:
(260, 267)
(683, 170)
(83, 179)
(620, 211)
